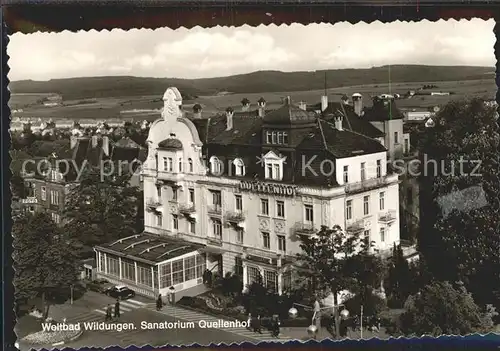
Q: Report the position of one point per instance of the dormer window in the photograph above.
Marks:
(276, 138)
(215, 166)
(273, 166)
(239, 167)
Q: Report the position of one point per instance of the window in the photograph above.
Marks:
(217, 227)
(280, 137)
(239, 202)
(274, 138)
(382, 234)
(407, 146)
(170, 164)
(113, 266)
(192, 227)
(166, 275)
(180, 165)
(165, 164)
(239, 236)
(268, 137)
(276, 171)
(144, 276)
(178, 271)
(159, 220)
(273, 166)
(239, 167)
(44, 193)
(366, 205)
(216, 198)
(346, 174)
(363, 171)
(381, 200)
(128, 270)
(396, 138)
(348, 209)
(215, 166)
(201, 263)
(270, 280)
(309, 213)
(174, 194)
(266, 240)
(189, 268)
(253, 274)
(366, 235)
(54, 197)
(56, 218)
(175, 222)
(191, 196)
(285, 138)
(379, 168)
(158, 191)
(282, 243)
(264, 207)
(190, 164)
(280, 209)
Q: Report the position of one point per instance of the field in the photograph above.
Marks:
(147, 107)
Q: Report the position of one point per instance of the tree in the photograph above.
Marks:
(101, 208)
(459, 234)
(442, 309)
(399, 277)
(336, 261)
(44, 265)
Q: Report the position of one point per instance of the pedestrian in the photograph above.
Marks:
(249, 321)
(117, 309)
(159, 303)
(257, 328)
(276, 326)
(108, 313)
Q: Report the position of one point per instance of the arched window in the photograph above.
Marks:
(215, 166)
(180, 164)
(190, 163)
(239, 167)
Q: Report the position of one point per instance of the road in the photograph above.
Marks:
(91, 308)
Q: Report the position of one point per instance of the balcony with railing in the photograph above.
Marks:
(215, 209)
(365, 185)
(188, 210)
(302, 228)
(408, 248)
(387, 217)
(356, 226)
(235, 217)
(153, 204)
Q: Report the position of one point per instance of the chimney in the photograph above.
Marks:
(245, 105)
(105, 145)
(357, 101)
(229, 117)
(72, 141)
(303, 105)
(338, 123)
(324, 102)
(197, 111)
(262, 106)
(95, 140)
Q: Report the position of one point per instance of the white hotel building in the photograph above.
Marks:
(239, 189)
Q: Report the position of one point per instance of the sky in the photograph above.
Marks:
(223, 51)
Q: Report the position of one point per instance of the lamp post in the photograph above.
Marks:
(313, 329)
(71, 289)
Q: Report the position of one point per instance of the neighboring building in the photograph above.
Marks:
(48, 191)
(243, 187)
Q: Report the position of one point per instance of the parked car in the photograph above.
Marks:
(99, 285)
(120, 292)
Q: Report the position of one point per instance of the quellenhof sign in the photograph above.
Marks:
(272, 189)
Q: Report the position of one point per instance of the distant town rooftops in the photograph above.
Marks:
(149, 248)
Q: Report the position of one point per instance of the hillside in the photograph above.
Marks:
(262, 81)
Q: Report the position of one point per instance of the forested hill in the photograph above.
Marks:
(261, 81)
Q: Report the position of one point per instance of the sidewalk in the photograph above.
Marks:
(300, 333)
